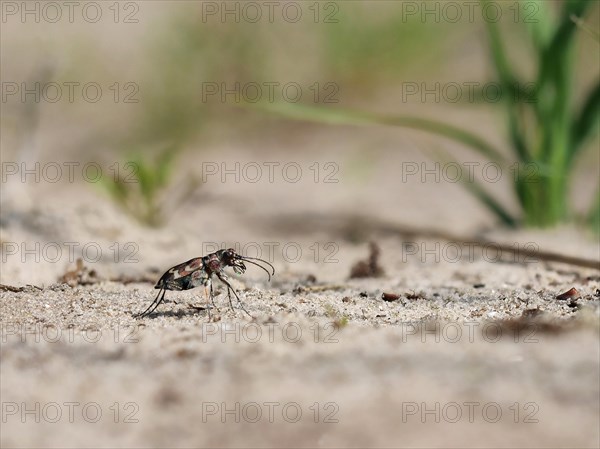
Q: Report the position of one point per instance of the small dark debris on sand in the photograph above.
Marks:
(370, 267)
(569, 294)
(317, 288)
(390, 297)
(10, 288)
(531, 313)
(81, 275)
(311, 279)
(414, 295)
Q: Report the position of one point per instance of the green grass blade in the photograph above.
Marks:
(476, 189)
(164, 165)
(337, 116)
(554, 82)
(145, 177)
(479, 192)
(556, 92)
(509, 82)
(115, 187)
(586, 124)
(540, 23)
(517, 134)
(557, 52)
(503, 69)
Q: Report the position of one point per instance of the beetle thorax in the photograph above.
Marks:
(213, 264)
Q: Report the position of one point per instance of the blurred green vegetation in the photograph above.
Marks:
(547, 128)
(362, 51)
(143, 188)
(363, 48)
(366, 47)
(136, 187)
(547, 133)
(183, 55)
(368, 51)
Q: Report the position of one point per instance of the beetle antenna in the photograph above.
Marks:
(265, 270)
(262, 260)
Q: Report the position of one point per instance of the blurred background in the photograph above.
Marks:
(134, 112)
(355, 145)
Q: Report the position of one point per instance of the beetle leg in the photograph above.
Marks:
(212, 296)
(223, 279)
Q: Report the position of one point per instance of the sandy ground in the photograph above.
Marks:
(450, 370)
(476, 351)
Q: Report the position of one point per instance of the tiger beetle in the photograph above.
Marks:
(199, 271)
